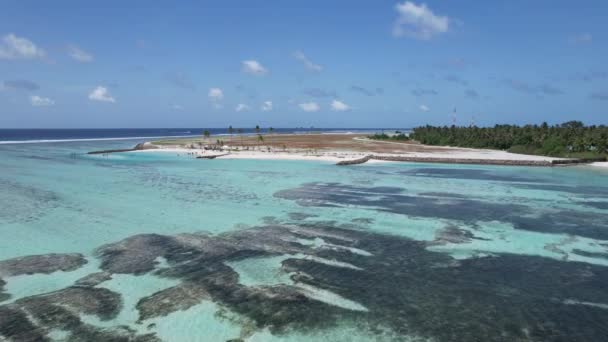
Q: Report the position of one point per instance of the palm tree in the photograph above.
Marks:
(270, 130)
(260, 139)
(230, 131)
(257, 131)
(239, 131)
(206, 134)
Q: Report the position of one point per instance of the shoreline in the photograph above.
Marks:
(344, 149)
(341, 158)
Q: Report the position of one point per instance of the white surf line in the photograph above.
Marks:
(42, 141)
(329, 297)
(329, 262)
(600, 164)
(595, 305)
(319, 243)
(313, 233)
(350, 249)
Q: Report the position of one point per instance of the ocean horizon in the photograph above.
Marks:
(44, 135)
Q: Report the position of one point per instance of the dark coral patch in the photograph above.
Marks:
(395, 200)
(31, 318)
(399, 282)
(507, 297)
(93, 279)
(3, 296)
(593, 204)
(470, 174)
(404, 286)
(162, 303)
(46, 263)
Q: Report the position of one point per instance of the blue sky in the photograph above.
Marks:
(301, 63)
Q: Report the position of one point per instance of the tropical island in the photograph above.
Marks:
(531, 145)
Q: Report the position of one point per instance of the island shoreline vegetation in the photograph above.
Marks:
(571, 139)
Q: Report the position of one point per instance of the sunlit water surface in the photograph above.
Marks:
(297, 250)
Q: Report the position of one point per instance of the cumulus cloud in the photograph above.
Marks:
(418, 21)
(101, 94)
(254, 67)
(266, 106)
(339, 106)
(38, 101)
(308, 64)
(241, 107)
(21, 85)
(215, 94)
(317, 92)
(13, 47)
(424, 108)
(310, 106)
(79, 55)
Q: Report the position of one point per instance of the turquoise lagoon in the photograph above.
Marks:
(298, 250)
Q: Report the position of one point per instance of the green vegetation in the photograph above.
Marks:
(398, 136)
(571, 139)
(230, 131)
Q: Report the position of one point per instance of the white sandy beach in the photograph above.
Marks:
(335, 156)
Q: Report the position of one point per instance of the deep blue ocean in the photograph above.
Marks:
(58, 135)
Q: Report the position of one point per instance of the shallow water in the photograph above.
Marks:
(297, 250)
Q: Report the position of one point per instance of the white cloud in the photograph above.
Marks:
(241, 107)
(79, 55)
(339, 106)
(38, 101)
(424, 108)
(299, 55)
(101, 94)
(13, 47)
(266, 106)
(254, 67)
(216, 94)
(310, 106)
(418, 21)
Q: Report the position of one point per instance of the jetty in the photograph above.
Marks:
(138, 147)
(355, 161)
(212, 156)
